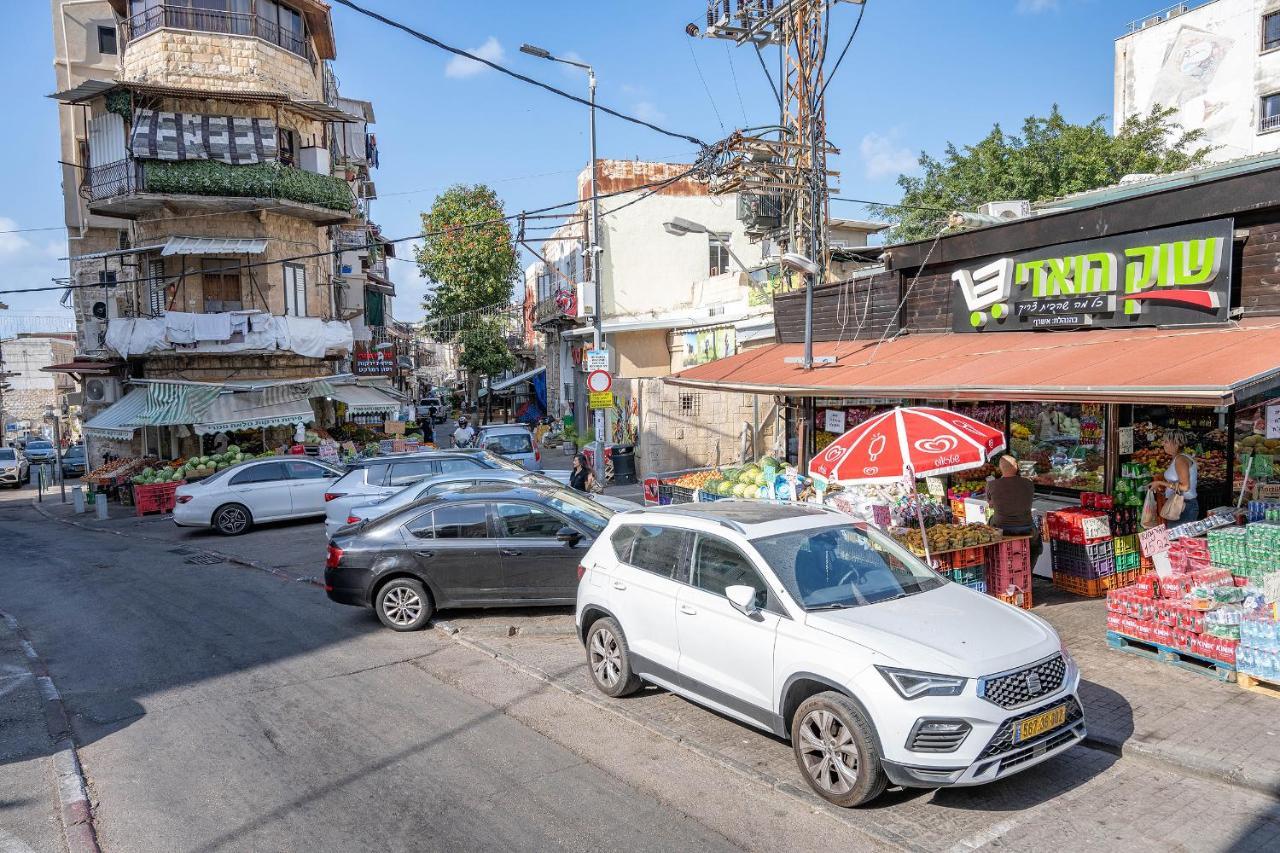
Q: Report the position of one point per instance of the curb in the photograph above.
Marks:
(75, 810)
(228, 558)
(1193, 765)
(785, 787)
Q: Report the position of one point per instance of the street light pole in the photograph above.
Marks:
(594, 250)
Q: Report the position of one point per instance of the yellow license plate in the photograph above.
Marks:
(1039, 724)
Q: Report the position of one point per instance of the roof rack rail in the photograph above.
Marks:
(670, 509)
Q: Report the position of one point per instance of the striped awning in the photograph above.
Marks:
(120, 419)
(172, 403)
(363, 400)
(253, 410)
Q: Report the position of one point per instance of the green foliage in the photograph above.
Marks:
(1052, 158)
(473, 267)
(484, 349)
(257, 180)
(120, 102)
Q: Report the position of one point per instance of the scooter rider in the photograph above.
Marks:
(464, 435)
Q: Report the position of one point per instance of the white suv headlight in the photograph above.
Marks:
(912, 685)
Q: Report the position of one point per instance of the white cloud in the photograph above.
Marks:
(460, 67)
(646, 111)
(883, 157)
(11, 244)
(1035, 7)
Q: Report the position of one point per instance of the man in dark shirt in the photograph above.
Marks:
(1010, 496)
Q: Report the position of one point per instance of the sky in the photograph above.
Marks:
(920, 73)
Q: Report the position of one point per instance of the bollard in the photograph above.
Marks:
(77, 499)
(101, 506)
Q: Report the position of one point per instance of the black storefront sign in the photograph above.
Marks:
(1162, 277)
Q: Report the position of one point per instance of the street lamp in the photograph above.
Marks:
(51, 417)
(678, 226)
(809, 269)
(594, 249)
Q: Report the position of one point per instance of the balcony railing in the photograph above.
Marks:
(209, 177)
(559, 307)
(217, 21)
(1269, 123)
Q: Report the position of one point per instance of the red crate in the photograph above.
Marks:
(1078, 525)
(155, 497)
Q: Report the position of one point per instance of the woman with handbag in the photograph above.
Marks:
(1181, 503)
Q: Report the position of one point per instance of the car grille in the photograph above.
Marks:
(1013, 689)
(1002, 742)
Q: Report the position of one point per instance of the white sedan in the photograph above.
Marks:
(235, 499)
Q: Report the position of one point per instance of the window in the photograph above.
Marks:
(220, 279)
(404, 473)
(457, 466)
(660, 550)
(376, 475)
(717, 565)
(1271, 31)
(107, 40)
(306, 471)
(285, 148)
(516, 442)
(621, 541)
(265, 473)
(691, 404)
(156, 287)
(422, 527)
(295, 290)
(463, 521)
(718, 249)
(1269, 113)
(521, 521)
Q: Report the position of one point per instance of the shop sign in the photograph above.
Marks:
(373, 363)
(937, 488)
(1154, 540)
(596, 359)
(1125, 440)
(600, 400)
(1166, 276)
(833, 421)
(1273, 421)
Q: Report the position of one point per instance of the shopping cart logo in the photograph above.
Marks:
(986, 290)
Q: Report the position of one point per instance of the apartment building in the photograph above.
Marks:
(1216, 63)
(217, 188)
(29, 390)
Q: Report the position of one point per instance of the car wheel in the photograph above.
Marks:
(403, 605)
(609, 659)
(232, 520)
(836, 750)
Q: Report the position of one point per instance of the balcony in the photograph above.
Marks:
(217, 21)
(132, 188)
(557, 310)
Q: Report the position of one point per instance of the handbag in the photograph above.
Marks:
(594, 486)
(1173, 506)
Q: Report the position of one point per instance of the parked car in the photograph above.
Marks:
(340, 513)
(432, 410)
(236, 498)
(39, 451)
(797, 621)
(490, 545)
(14, 468)
(73, 461)
(512, 441)
(383, 476)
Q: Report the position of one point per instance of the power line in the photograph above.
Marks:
(733, 72)
(861, 11)
(705, 87)
(892, 204)
(522, 77)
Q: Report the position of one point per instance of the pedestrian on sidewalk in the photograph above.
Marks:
(582, 478)
(1010, 496)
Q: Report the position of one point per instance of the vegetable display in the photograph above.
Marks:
(192, 469)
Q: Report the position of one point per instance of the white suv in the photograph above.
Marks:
(798, 621)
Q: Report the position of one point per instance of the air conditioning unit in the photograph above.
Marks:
(586, 299)
(314, 159)
(368, 190)
(100, 390)
(1006, 209)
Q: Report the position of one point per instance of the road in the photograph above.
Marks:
(221, 707)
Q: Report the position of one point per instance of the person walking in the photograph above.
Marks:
(1010, 496)
(1182, 477)
(582, 478)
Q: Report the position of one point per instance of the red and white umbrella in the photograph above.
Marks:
(917, 441)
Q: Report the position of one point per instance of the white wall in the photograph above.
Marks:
(26, 357)
(1208, 64)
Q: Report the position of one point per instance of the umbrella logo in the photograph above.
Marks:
(833, 454)
(876, 447)
(937, 444)
(871, 470)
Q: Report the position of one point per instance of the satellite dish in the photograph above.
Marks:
(100, 310)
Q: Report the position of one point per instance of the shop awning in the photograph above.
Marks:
(363, 400)
(214, 246)
(516, 380)
(252, 410)
(1177, 366)
(120, 419)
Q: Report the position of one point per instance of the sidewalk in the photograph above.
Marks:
(1145, 708)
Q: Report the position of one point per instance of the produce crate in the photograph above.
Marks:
(965, 557)
(1087, 587)
(966, 576)
(155, 497)
(1010, 566)
(1078, 525)
(669, 493)
(978, 586)
(1082, 561)
(1127, 562)
(1021, 598)
(1127, 544)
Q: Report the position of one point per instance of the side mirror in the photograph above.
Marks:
(743, 599)
(569, 536)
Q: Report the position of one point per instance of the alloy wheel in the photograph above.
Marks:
(232, 520)
(828, 751)
(402, 605)
(606, 657)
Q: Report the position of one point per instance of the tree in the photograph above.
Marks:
(1052, 158)
(484, 350)
(468, 252)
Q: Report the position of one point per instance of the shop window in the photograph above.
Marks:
(1269, 113)
(1256, 453)
(1206, 443)
(107, 41)
(1065, 441)
(1271, 31)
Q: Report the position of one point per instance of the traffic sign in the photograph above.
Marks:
(600, 400)
(597, 359)
(599, 381)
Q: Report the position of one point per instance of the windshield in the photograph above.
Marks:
(498, 462)
(74, 450)
(844, 566)
(39, 445)
(589, 514)
(7, 455)
(511, 442)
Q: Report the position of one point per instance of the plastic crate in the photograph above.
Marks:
(1087, 587)
(966, 576)
(968, 557)
(1010, 567)
(1082, 561)
(1126, 544)
(978, 586)
(155, 497)
(1127, 562)
(1021, 598)
(1078, 525)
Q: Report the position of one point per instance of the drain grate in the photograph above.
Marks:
(204, 560)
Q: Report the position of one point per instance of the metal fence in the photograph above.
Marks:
(217, 21)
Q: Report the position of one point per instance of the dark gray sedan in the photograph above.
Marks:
(490, 545)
